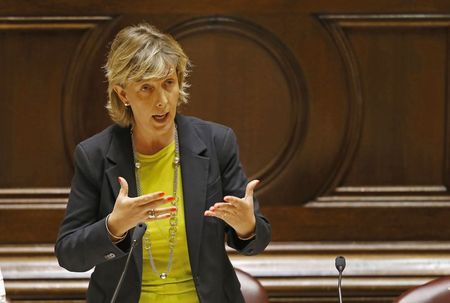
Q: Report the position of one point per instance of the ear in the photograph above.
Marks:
(120, 91)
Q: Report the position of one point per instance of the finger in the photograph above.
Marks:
(123, 187)
(232, 200)
(159, 202)
(152, 197)
(251, 188)
(220, 213)
(162, 211)
(159, 217)
(231, 209)
(223, 209)
(224, 205)
(217, 214)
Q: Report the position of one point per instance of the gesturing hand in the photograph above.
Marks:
(128, 211)
(237, 212)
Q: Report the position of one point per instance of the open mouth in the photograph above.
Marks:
(160, 118)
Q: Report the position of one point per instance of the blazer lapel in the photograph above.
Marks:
(194, 171)
(121, 158)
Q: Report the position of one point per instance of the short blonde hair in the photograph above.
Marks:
(137, 53)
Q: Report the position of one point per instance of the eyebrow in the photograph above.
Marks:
(167, 76)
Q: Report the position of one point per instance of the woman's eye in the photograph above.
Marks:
(170, 82)
(145, 88)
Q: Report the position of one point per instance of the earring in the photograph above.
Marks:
(127, 104)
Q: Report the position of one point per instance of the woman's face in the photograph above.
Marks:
(154, 102)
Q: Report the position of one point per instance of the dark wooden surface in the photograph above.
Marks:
(340, 108)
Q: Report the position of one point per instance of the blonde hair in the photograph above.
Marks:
(137, 53)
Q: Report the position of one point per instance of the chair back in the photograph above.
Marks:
(435, 291)
(252, 290)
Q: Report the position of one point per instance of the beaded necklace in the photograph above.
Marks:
(173, 221)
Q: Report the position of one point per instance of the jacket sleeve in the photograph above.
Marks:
(83, 240)
(234, 183)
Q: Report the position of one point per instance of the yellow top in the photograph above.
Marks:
(156, 174)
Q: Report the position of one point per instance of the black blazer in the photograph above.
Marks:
(210, 169)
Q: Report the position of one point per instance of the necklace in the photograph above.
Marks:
(173, 221)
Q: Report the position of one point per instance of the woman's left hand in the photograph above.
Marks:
(237, 212)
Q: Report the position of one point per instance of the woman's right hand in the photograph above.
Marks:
(128, 211)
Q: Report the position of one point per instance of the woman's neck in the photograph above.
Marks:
(145, 142)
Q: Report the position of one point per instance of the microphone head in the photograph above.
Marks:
(139, 231)
(340, 263)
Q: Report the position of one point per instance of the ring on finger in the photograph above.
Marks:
(151, 214)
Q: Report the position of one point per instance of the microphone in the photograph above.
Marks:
(340, 265)
(138, 232)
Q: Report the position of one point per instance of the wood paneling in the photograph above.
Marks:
(249, 65)
(36, 53)
(22, 209)
(400, 116)
(341, 109)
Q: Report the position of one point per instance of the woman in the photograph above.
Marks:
(179, 174)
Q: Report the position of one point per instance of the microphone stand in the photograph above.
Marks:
(340, 265)
(137, 235)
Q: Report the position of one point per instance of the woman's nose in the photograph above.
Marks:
(162, 100)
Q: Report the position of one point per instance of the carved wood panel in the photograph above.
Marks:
(398, 70)
(340, 108)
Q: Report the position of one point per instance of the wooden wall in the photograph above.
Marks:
(341, 108)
